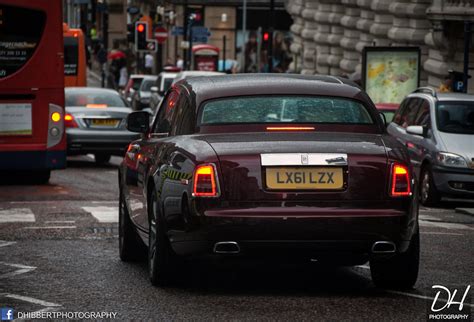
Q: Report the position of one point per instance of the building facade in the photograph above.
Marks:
(329, 35)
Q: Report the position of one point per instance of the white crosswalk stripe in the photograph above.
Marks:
(103, 214)
(16, 215)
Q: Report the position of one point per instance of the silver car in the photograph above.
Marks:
(438, 130)
(95, 123)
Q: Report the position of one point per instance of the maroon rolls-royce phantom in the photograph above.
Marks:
(269, 166)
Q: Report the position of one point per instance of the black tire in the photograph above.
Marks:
(102, 158)
(429, 195)
(162, 261)
(131, 247)
(41, 177)
(399, 271)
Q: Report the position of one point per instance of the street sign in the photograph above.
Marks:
(161, 34)
(200, 31)
(152, 45)
(200, 39)
(177, 31)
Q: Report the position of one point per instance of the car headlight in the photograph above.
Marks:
(451, 160)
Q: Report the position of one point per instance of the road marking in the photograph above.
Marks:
(423, 297)
(32, 300)
(16, 215)
(22, 269)
(445, 225)
(51, 227)
(59, 221)
(103, 214)
(4, 243)
(439, 233)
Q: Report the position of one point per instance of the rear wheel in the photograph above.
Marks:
(131, 247)
(101, 158)
(162, 261)
(429, 195)
(400, 271)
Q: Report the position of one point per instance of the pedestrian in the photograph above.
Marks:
(123, 77)
(250, 54)
(446, 86)
(149, 63)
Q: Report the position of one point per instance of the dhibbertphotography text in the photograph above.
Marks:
(67, 315)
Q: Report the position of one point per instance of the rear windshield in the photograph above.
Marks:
(284, 109)
(136, 83)
(455, 117)
(20, 33)
(167, 84)
(92, 98)
(71, 55)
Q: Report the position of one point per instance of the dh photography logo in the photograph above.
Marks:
(449, 304)
(7, 314)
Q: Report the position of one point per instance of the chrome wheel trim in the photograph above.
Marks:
(425, 186)
(152, 237)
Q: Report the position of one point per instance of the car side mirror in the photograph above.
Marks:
(416, 130)
(138, 122)
(154, 90)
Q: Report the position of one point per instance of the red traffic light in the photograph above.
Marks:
(140, 28)
(266, 36)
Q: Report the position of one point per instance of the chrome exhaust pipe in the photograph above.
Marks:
(226, 247)
(383, 247)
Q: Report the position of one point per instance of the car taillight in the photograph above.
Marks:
(69, 121)
(400, 181)
(205, 181)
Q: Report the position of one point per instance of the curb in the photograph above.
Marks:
(465, 211)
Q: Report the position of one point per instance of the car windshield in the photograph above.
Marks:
(284, 109)
(90, 98)
(455, 117)
(147, 85)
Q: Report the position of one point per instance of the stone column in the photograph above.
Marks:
(335, 50)
(410, 26)
(363, 25)
(310, 28)
(382, 22)
(294, 8)
(351, 37)
(321, 37)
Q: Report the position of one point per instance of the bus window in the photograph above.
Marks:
(18, 41)
(74, 57)
(71, 56)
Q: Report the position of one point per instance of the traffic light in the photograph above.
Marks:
(131, 33)
(141, 33)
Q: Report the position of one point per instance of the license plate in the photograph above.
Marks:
(104, 122)
(307, 178)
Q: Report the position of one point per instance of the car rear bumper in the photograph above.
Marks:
(313, 232)
(112, 142)
(457, 183)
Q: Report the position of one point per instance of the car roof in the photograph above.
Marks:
(454, 97)
(168, 74)
(91, 90)
(206, 88)
(137, 76)
(150, 77)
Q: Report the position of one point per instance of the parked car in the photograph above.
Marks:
(132, 86)
(141, 97)
(388, 110)
(95, 123)
(163, 83)
(194, 73)
(438, 130)
(223, 172)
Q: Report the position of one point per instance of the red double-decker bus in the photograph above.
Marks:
(32, 135)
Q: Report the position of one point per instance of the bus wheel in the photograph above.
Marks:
(41, 177)
(102, 158)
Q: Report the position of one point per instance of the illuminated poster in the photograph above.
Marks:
(15, 119)
(390, 73)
